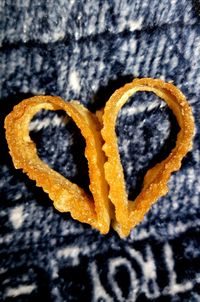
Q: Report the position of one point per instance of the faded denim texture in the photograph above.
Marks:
(85, 50)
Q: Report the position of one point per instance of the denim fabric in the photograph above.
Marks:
(85, 50)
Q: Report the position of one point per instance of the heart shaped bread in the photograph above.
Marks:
(109, 202)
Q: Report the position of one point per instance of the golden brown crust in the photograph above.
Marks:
(67, 196)
(129, 213)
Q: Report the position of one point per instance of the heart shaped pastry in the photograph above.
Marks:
(107, 183)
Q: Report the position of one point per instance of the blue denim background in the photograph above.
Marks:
(85, 50)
